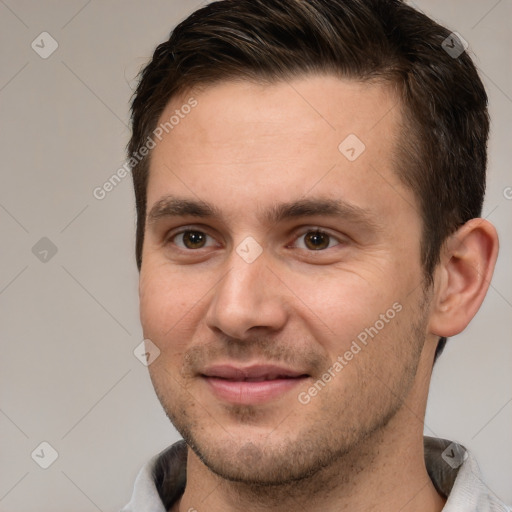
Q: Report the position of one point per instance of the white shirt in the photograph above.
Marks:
(452, 469)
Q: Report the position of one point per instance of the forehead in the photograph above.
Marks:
(286, 140)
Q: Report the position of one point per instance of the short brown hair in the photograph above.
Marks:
(442, 153)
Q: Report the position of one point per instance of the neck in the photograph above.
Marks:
(385, 472)
(374, 478)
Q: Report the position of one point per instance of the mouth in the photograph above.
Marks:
(251, 385)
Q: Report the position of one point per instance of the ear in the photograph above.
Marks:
(463, 276)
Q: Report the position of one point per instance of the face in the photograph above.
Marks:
(281, 276)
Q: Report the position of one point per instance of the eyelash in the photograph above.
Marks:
(298, 236)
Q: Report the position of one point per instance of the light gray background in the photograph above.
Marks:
(69, 326)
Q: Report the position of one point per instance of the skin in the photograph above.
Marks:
(357, 444)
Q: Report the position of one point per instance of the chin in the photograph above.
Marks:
(256, 460)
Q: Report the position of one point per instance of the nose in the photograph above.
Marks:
(249, 299)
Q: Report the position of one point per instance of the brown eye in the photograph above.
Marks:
(194, 239)
(190, 239)
(316, 240)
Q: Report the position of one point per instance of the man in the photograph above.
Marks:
(309, 176)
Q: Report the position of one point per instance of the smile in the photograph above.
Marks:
(251, 385)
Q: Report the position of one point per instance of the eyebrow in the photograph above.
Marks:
(172, 206)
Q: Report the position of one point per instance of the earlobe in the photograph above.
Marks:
(463, 276)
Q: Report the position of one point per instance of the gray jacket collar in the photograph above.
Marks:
(452, 469)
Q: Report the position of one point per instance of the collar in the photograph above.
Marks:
(452, 469)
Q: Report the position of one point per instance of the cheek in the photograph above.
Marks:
(165, 304)
(340, 306)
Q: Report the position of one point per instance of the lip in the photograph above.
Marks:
(251, 385)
